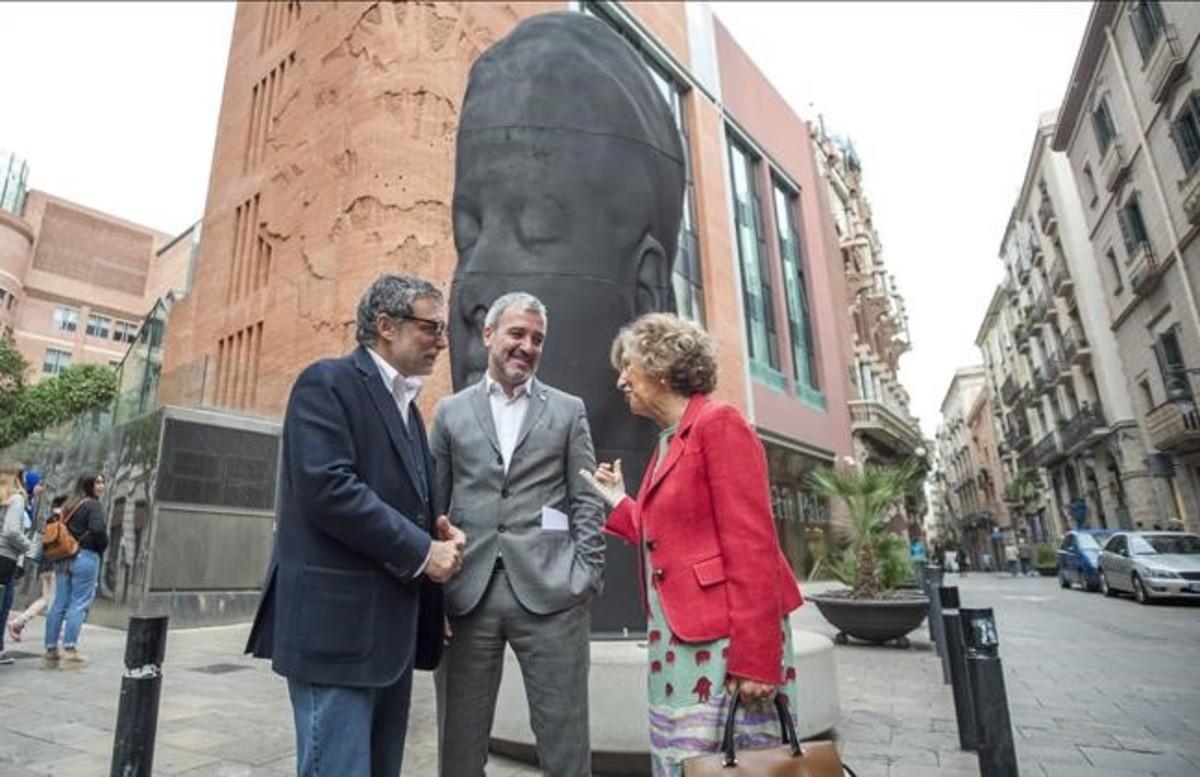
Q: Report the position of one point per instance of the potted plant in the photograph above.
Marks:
(873, 563)
(1045, 559)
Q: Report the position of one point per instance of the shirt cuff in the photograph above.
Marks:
(428, 555)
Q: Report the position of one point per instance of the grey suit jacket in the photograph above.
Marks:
(502, 512)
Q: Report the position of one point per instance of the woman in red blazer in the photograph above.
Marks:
(715, 584)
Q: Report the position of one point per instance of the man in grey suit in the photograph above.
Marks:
(506, 450)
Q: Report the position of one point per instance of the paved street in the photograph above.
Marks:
(1096, 687)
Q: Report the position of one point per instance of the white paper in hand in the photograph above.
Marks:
(554, 520)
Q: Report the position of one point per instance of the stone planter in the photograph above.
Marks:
(1049, 571)
(873, 620)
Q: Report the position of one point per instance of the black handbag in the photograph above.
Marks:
(791, 759)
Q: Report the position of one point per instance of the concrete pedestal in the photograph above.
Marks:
(617, 691)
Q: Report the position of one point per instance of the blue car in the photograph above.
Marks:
(1079, 558)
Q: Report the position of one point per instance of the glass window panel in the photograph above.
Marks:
(799, 321)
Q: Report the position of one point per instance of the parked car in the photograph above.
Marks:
(1151, 565)
(1079, 558)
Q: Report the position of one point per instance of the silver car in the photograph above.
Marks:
(1151, 564)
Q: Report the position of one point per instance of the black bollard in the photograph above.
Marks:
(141, 685)
(997, 757)
(960, 685)
(933, 582)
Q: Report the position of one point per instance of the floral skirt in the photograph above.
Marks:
(688, 701)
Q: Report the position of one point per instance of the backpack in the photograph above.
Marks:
(58, 543)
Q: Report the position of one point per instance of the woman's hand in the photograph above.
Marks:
(607, 482)
(751, 691)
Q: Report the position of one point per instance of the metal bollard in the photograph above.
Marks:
(964, 712)
(997, 757)
(933, 582)
(141, 686)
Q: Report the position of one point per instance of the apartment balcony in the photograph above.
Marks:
(883, 424)
(1060, 368)
(1034, 246)
(1047, 218)
(1041, 307)
(1010, 390)
(1060, 277)
(1113, 166)
(1172, 431)
(1018, 438)
(1190, 189)
(1081, 428)
(1046, 450)
(1042, 380)
(1075, 346)
(1144, 269)
(1165, 65)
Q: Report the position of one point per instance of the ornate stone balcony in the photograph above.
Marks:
(1143, 269)
(1047, 218)
(1060, 276)
(881, 422)
(1165, 65)
(1172, 431)
(1075, 346)
(1046, 450)
(1010, 390)
(1113, 165)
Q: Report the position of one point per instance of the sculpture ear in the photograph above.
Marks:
(654, 291)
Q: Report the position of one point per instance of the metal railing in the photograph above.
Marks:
(1086, 421)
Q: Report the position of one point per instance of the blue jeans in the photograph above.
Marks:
(74, 588)
(342, 730)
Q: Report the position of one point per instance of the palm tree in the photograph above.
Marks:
(869, 493)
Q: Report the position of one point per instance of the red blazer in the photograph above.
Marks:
(706, 519)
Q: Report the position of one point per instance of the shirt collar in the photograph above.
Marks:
(390, 375)
(494, 387)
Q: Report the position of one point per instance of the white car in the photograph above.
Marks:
(1151, 565)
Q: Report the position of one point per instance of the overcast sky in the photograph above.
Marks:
(115, 106)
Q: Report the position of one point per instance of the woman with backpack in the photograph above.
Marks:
(76, 577)
(13, 541)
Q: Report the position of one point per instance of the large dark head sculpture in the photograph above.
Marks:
(569, 185)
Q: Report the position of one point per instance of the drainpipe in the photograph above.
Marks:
(1155, 176)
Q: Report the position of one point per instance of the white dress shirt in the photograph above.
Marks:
(405, 391)
(508, 413)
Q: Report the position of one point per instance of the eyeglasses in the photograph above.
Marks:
(431, 326)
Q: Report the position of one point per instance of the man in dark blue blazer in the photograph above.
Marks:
(352, 600)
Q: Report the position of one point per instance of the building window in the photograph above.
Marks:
(804, 367)
(1169, 355)
(1185, 131)
(759, 311)
(1133, 226)
(66, 319)
(1089, 180)
(1102, 125)
(1115, 266)
(98, 325)
(686, 279)
(1146, 18)
(124, 332)
(56, 361)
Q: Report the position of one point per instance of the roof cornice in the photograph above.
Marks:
(1103, 14)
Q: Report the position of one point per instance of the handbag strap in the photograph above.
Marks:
(787, 729)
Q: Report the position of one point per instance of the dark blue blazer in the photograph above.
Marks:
(340, 604)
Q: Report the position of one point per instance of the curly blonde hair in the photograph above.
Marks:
(671, 349)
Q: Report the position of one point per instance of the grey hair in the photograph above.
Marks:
(515, 299)
(392, 295)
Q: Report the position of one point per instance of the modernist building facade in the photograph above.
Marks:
(1130, 127)
(882, 425)
(334, 163)
(75, 283)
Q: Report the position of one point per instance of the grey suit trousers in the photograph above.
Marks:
(553, 652)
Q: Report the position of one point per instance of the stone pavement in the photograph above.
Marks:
(224, 715)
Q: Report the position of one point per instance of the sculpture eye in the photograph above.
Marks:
(466, 228)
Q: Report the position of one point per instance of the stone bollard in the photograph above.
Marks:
(997, 756)
(141, 686)
(964, 711)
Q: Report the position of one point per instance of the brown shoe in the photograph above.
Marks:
(72, 659)
(50, 659)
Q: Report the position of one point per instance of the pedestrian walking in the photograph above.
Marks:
(1025, 557)
(715, 584)
(76, 578)
(507, 450)
(1011, 559)
(352, 602)
(45, 573)
(14, 542)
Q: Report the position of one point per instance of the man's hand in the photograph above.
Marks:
(448, 532)
(445, 559)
